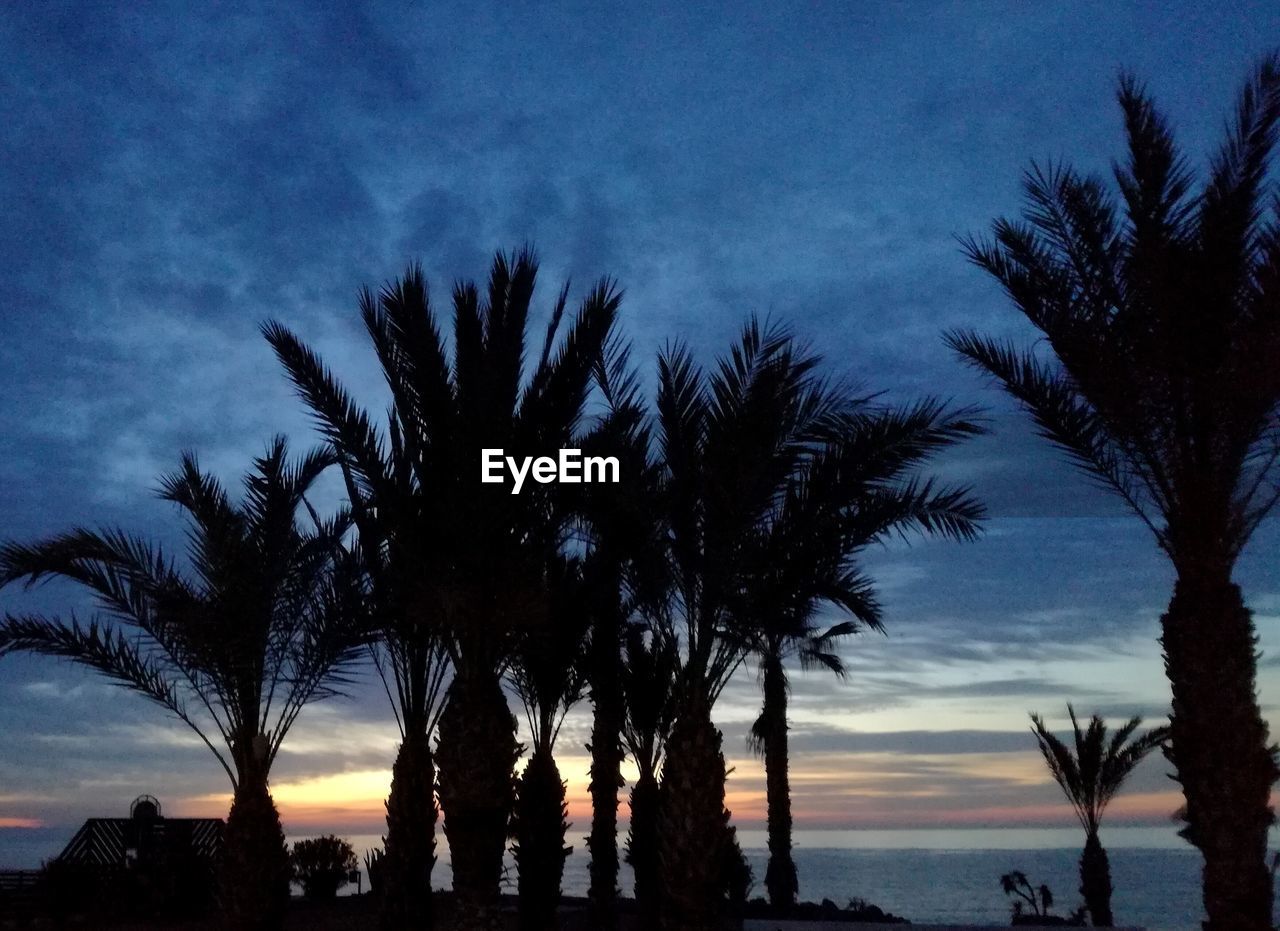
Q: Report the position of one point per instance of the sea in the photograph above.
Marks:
(927, 876)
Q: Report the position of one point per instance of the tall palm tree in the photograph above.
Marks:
(728, 441)
(1162, 316)
(649, 673)
(548, 671)
(268, 619)
(1090, 777)
(390, 506)
(624, 574)
(483, 550)
(855, 486)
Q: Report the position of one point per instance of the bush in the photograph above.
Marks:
(322, 865)
(1019, 889)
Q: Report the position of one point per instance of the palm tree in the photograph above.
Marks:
(854, 487)
(548, 672)
(624, 574)
(727, 444)
(413, 664)
(481, 550)
(1162, 313)
(268, 620)
(389, 505)
(1090, 778)
(648, 679)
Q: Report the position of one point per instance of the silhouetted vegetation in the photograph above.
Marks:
(267, 620)
(773, 480)
(851, 481)
(374, 861)
(386, 487)
(478, 552)
(322, 865)
(858, 911)
(548, 672)
(648, 684)
(626, 581)
(1091, 774)
(1038, 899)
(1159, 379)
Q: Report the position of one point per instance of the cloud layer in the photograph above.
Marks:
(175, 177)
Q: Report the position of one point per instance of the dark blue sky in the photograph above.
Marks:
(172, 177)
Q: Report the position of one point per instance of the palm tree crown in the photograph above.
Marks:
(478, 550)
(1094, 769)
(1161, 311)
(267, 620)
(852, 487)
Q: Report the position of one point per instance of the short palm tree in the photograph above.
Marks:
(649, 673)
(853, 487)
(269, 619)
(1160, 316)
(548, 672)
(480, 551)
(1091, 774)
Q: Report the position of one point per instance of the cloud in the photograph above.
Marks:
(174, 178)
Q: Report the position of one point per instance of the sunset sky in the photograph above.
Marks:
(172, 178)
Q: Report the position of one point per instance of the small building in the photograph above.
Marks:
(145, 865)
(146, 839)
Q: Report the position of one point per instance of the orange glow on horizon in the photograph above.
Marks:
(6, 822)
(873, 792)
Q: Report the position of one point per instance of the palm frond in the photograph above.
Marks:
(339, 419)
(123, 660)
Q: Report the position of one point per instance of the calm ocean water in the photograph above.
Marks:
(926, 876)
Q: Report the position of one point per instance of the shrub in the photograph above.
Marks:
(322, 865)
(1019, 888)
(373, 863)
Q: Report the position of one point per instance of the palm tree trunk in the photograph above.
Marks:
(477, 754)
(642, 846)
(410, 844)
(1095, 881)
(691, 823)
(780, 877)
(1219, 746)
(255, 863)
(539, 849)
(606, 772)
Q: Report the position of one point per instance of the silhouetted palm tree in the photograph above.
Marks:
(548, 671)
(649, 673)
(852, 487)
(483, 549)
(625, 572)
(1162, 313)
(268, 620)
(728, 443)
(1090, 777)
(390, 504)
